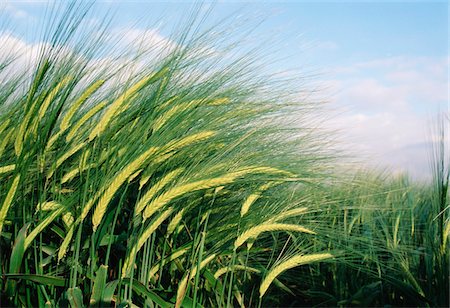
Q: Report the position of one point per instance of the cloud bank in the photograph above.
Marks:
(388, 108)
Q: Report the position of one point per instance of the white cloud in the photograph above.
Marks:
(145, 39)
(370, 94)
(133, 41)
(23, 53)
(385, 109)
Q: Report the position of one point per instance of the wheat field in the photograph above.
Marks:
(175, 182)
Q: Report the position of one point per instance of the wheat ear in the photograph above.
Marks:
(134, 175)
(288, 264)
(255, 196)
(188, 276)
(68, 219)
(8, 168)
(117, 183)
(48, 206)
(152, 227)
(64, 157)
(183, 142)
(446, 235)
(117, 105)
(65, 122)
(4, 125)
(5, 141)
(73, 173)
(8, 200)
(170, 258)
(45, 105)
(268, 227)
(166, 116)
(20, 136)
(178, 191)
(51, 96)
(174, 222)
(51, 142)
(155, 189)
(167, 103)
(144, 179)
(44, 223)
(223, 270)
(288, 214)
(162, 119)
(65, 244)
(73, 131)
(88, 206)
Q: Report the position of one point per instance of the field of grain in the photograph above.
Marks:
(176, 182)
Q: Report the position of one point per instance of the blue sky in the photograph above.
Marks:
(383, 65)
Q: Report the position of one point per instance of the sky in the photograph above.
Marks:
(382, 66)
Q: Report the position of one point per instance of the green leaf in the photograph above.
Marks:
(145, 292)
(40, 279)
(99, 286)
(282, 286)
(49, 250)
(214, 283)
(75, 297)
(16, 258)
(42, 225)
(18, 250)
(189, 303)
(108, 291)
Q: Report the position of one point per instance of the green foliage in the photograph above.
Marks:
(130, 183)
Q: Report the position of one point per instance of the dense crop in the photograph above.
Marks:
(171, 178)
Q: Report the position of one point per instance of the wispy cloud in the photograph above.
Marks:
(388, 107)
(145, 39)
(23, 53)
